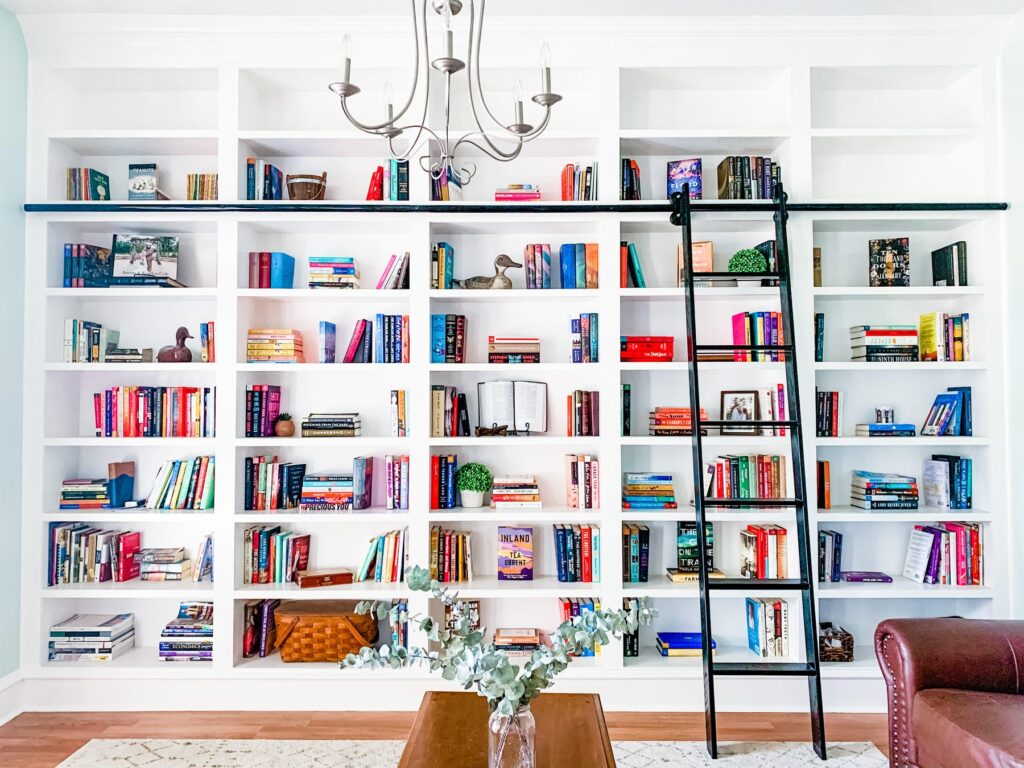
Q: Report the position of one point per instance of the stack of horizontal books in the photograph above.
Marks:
(513, 349)
(274, 345)
(515, 492)
(91, 637)
(164, 564)
(333, 272)
(332, 425)
(682, 644)
(884, 343)
(189, 635)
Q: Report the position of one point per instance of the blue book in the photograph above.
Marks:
(559, 552)
(250, 181)
(398, 340)
(966, 418)
(587, 606)
(581, 265)
(437, 346)
(379, 573)
(450, 488)
(635, 270)
(379, 333)
(67, 265)
(567, 264)
(837, 555)
(282, 270)
(682, 640)
(593, 337)
(449, 265)
(328, 339)
(754, 628)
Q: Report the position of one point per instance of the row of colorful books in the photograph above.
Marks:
(134, 411)
(449, 412)
(389, 181)
(271, 555)
(755, 476)
(571, 607)
(945, 337)
(386, 558)
(268, 483)
(946, 553)
(763, 552)
(758, 329)
(579, 181)
(950, 414)
(537, 264)
(584, 333)
(583, 413)
(385, 339)
(201, 186)
(768, 626)
(451, 554)
(448, 338)
(948, 481)
(578, 552)
(184, 484)
(262, 408)
(828, 413)
(583, 481)
(263, 180)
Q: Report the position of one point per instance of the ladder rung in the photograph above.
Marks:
(766, 669)
(743, 348)
(793, 424)
(753, 502)
(751, 584)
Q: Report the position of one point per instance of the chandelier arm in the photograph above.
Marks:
(415, 142)
(503, 157)
(539, 129)
(413, 147)
(479, 81)
(377, 128)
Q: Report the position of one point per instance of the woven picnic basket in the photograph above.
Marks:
(322, 630)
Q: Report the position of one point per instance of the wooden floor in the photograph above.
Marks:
(42, 740)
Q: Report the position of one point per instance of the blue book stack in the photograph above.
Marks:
(681, 643)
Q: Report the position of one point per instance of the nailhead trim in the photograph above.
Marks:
(900, 757)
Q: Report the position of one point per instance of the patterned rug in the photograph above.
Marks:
(262, 753)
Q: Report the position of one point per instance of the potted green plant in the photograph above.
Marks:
(284, 426)
(464, 656)
(473, 481)
(748, 260)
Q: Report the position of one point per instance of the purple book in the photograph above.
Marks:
(865, 576)
(931, 576)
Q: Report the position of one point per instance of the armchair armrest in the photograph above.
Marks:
(965, 654)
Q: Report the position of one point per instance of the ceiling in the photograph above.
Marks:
(529, 7)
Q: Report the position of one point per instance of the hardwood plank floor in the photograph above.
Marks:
(44, 739)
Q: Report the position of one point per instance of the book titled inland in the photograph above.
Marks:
(515, 554)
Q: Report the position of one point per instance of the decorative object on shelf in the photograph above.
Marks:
(485, 140)
(321, 630)
(306, 186)
(466, 657)
(284, 426)
(748, 260)
(498, 281)
(495, 431)
(177, 352)
(834, 643)
(889, 262)
(473, 480)
(739, 406)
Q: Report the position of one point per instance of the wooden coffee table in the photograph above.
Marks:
(451, 731)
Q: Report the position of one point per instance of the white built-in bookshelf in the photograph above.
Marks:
(889, 132)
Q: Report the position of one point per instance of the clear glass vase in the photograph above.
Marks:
(511, 741)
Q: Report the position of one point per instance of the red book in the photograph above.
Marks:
(128, 545)
(623, 264)
(376, 189)
(264, 269)
(448, 559)
(254, 269)
(435, 499)
(353, 344)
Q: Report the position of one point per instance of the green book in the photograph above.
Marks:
(635, 271)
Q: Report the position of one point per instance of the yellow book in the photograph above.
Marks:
(928, 336)
(683, 651)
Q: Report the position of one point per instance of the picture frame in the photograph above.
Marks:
(740, 405)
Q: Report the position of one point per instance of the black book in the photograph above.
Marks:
(463, 415)
(645, 551)
(403, 180)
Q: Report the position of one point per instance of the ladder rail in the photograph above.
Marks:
(682, 216)
(811, 667)
(799, 474)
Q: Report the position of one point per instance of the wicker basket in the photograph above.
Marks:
(834, 643)
(306, 186)
(322, 630)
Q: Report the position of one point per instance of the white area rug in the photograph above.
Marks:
(264, 753)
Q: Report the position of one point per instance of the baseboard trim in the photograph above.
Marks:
(11, 692)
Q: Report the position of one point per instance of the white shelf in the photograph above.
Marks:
(134, 143)
(650, 663)
(722, 366)
(911, 292)
(341, 295)
(139, 662)
(184, 443)
(134, 589)
(140, 515)
(133, 294)
(550, 515)
(332, 442)
(328, 368)
(892, 442)
(724, 293)
(687, 513)
(511, 441)
(359, 590)
(918, 366)
(765, 442)
(547, 587)
(526, 368)
(900, 588)
(345, 517)
(845, 514)
(458, 295)
(133, 367)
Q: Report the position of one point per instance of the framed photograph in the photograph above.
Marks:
(739, 406)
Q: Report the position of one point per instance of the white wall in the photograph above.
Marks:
(13, 83)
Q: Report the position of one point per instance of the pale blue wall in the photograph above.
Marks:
(12, 288)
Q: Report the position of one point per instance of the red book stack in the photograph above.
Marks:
(639, 349)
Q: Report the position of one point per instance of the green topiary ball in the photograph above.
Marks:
(748, 260)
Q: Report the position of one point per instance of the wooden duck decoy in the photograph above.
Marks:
(498, 280)
(177, 352)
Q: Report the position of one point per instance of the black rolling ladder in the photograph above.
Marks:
(811, 669)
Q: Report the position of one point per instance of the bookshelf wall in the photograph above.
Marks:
(885, 133)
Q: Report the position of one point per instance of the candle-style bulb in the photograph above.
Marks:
(517, 90)
(545, 55)
(389, 96)
(446, 15)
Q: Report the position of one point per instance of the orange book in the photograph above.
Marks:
(568, 416)
(591, 252)
(623, 264)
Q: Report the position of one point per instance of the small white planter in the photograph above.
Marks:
(472, 499)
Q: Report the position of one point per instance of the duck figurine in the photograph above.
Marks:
(177, 352)
(498, 280)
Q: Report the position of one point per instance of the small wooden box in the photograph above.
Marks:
(324, 578)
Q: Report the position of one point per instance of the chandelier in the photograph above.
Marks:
(500, 141)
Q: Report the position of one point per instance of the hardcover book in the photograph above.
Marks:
(515, 554)
(889, 262)
(682, 172)
(142, 181)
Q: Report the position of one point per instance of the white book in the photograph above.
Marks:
(935, 484)
(784, 640)
(919, 549)
(522, 405)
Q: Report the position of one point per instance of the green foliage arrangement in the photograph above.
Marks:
(748, 260)
(467, 659)
(474, 477)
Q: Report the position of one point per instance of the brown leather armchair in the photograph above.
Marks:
(956, 692)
